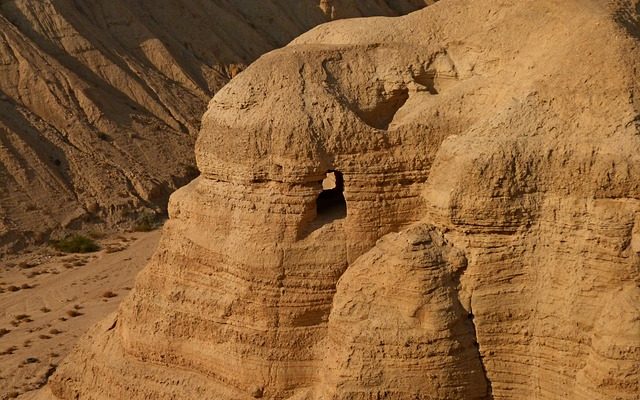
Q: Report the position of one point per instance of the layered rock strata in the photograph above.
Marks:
(101, 101)
(486, 243)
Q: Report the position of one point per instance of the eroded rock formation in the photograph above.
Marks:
(100, 101)
(488, 158)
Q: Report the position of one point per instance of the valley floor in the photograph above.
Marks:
(49, 299)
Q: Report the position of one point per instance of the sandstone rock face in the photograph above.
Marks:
(100, 101)
(479, 237)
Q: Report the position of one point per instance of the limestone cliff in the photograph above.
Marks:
(100, 101)
(478, 238)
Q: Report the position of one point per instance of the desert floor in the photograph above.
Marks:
(49, 299)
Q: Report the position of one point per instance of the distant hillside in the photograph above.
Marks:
(100, 101)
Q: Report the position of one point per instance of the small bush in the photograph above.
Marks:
(108, 294)
(13, 288)
(104, 136)
(55, 331)
(73, 313)
(146, 222)
(33, 274)
(76, 244)
(8, 351)
(4, 331)
(44, 337)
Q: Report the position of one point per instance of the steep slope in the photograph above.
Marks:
(478, 239)
(100, 101)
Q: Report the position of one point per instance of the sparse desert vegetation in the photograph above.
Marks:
(47, 330)
(147, 222)
(76, 244)
(73, 313)
(109, 294)
(8, 350)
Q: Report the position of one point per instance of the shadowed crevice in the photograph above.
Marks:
(381, 116)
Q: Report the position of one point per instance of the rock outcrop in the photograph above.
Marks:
(479, 237)
(101, 101)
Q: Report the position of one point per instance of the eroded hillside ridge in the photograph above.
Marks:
(100, 101)
(444, 205)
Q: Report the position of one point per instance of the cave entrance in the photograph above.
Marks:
(331, 203)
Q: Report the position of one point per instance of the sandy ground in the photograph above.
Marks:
(49, 299)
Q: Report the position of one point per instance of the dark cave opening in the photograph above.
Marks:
(331, 202)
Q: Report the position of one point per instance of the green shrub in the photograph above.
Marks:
(76, 244)
(146, 222)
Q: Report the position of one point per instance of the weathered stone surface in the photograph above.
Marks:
(101, 101)
(490, 159)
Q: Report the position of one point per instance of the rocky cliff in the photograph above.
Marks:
(100, 101)
(444, 205)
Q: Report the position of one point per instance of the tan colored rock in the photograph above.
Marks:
(489, 156)
(100, 101)
(397, 328)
